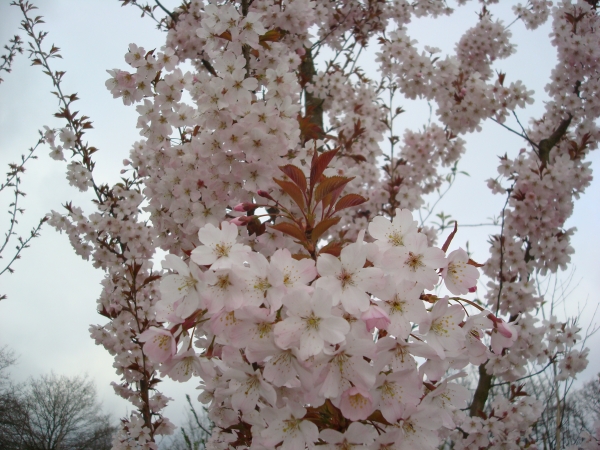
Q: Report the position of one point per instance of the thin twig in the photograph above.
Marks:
(515, 132)
(501, 276)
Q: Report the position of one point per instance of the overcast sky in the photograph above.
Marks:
(52, 296)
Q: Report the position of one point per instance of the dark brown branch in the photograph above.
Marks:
(546, 145)
(482, 392)
(313, 104)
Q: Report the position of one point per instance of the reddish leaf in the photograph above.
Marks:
(329, 199)
(473, 263)
(226, 35)
(293, 191)
(333, 248)
(150, 279)
(270, 36)
(319, 164)
(329, 185)
(429, 298)
(308, 129)
(295, 174)
(348, 201)
(449, 239)
(322, 227)
(357, 158)
(290, 229)
(300, 256)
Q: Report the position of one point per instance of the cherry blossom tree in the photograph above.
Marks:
(299, 292)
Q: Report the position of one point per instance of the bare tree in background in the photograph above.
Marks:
(582, 411)
(64, 413)
(12, 411)
(51, 412)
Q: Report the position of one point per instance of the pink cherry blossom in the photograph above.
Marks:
(397, 390)
(346, 279)
(185, 286)
(415, 261)
(310, 324)
(220, 249)
(403, 306)
(286, 425)
(356, 436)
(459, 276)
(392, 234)
(441, 329)
(356, 403)
(159, 344)
(375, 317)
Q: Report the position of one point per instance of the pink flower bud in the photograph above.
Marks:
(238, 221)
(300, 52)
(375, 317)
(241, 220)
(264, 194)
(243, 207)
(504, 329)
(473, 289)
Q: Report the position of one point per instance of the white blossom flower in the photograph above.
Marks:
(390, 234)
(347, 280)
(310, 324)
(459, 276)
(415, 261)
(286, 425)
(441, 328)
(185, 285)
(356, 436)
(220, 249)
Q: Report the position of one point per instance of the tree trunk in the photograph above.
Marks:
(483, 390)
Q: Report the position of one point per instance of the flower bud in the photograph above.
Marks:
(241, 221)
(264, 194)
(375, 317)
(244, 207)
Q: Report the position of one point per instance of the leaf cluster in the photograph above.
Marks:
(318, 198)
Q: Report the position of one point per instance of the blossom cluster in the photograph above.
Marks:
(457, 84)
(341, 343)
(278, 342)
(541, 186)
